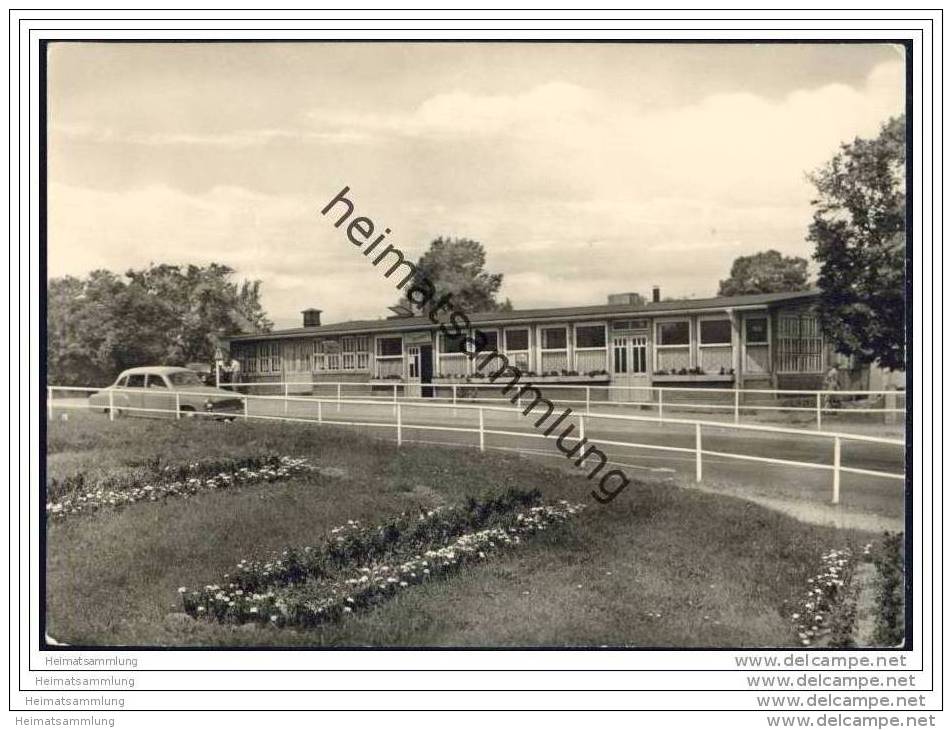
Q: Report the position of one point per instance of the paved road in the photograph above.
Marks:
(873, 494)
(878, 495)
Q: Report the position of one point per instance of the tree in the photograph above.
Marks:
(767, 272)
(165, 314)
(457, 266)
(859, 230)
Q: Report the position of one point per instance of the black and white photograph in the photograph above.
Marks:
(482, 345)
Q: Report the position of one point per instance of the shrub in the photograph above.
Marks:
(891, 621)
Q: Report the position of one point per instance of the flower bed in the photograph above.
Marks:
(822, 605)
(73, 495)
(358, 567)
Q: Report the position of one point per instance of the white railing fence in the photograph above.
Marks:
(732, 403)
(391, 415)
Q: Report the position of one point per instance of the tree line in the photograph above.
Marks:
(166, 314)
(103, 323)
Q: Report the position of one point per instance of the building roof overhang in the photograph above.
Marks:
(540, 316)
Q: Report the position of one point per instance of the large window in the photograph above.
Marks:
(674, 334)
(554, 338)
(348, 355)
(715, 332)
(269, 357)
(389, 347)
(673, 346)
(799, 344)
(517, 340)
(590, 336)
(355, 352)
(517, 347)
(246, 358)
(554, 358)
(715, 353)
(755, 331)
(452, 344)
(318, 355)
(487, 339)
(389, 361)
(591, 353)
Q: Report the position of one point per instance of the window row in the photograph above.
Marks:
(710, 332)
(517, 339)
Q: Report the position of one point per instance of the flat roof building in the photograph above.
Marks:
(770, 341)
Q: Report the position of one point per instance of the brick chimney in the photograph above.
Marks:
(656, 293)
(312, 317)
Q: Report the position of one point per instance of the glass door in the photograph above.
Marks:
(413, 371)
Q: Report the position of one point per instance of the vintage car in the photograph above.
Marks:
(166, 392)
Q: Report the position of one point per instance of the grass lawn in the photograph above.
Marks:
(661, 566)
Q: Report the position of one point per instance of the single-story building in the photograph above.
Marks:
(759, 341)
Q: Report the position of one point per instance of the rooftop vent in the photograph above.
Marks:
(400, 311)
(631, 297)
(312, 317)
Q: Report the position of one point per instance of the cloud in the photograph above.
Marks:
(237, 139)
(575, 192)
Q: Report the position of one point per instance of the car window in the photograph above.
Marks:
(156, 381)
(185, 378)
(121, 383)
(135, 381)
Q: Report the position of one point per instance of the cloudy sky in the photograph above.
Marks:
(585, 169)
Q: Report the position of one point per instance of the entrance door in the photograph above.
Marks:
(426, 370)
(630, 369)
(413, 371)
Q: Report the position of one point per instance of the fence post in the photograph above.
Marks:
(338, 397)
(736, 405)
(285, 399)
(581, 438)
(819, 411)
(453, 386)
(482, 436)
(588, 399)
(399, 427)
(661, 404)
(49, 403)
(836, 470)
(112, 410)
(697, 452)
(246, 408)
(178, 406)
(320, 417)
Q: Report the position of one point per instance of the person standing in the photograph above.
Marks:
(234, 373)
(831, 383)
